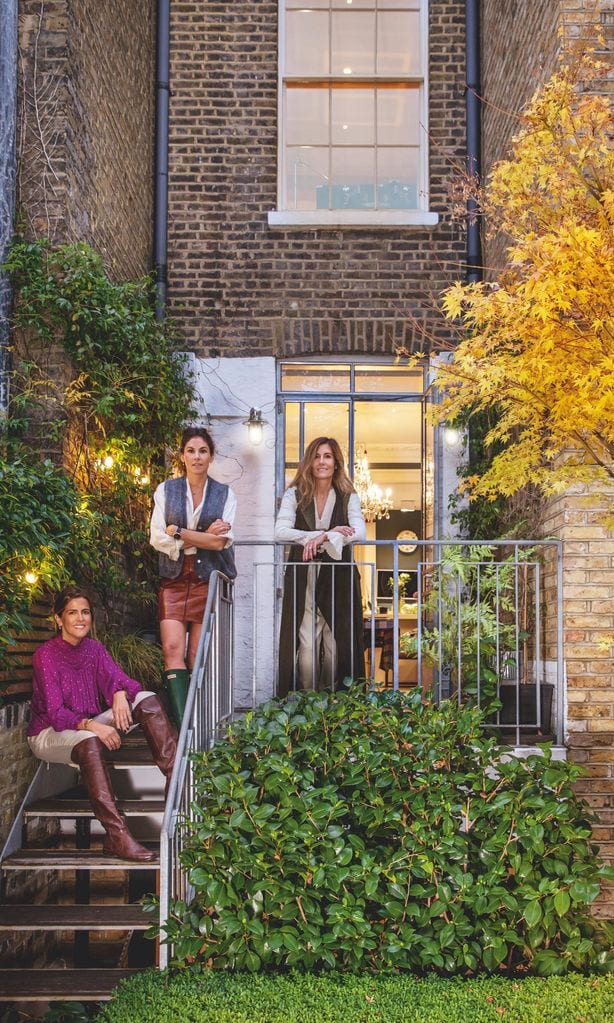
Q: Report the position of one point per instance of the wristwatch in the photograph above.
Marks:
(177, 533)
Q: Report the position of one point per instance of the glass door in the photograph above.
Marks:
(304, 420)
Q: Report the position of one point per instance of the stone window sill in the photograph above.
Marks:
(352, 218)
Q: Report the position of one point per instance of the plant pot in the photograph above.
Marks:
(527, 705)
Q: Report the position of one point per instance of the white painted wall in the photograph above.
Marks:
(228, 388)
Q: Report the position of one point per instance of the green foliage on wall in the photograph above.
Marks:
(130, 383)
(99, 381)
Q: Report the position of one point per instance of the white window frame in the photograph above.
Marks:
(358, 218)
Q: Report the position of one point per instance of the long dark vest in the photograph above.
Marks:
(175, 494)
(344, 597)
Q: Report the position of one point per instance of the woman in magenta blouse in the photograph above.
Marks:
(82, 702)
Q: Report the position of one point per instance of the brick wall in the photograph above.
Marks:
(520, 45)
(85, 172)
(523, 34)
(85, 143)
(241, 288)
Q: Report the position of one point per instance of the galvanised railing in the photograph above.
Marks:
(209, 708)
(479, 622)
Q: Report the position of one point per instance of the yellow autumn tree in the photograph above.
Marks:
(539, 342)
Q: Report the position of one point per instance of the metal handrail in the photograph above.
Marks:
(209, 707)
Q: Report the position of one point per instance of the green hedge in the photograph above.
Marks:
(222, 998)
(360, 831)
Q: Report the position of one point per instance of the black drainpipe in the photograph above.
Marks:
(473, 91)
(163, 32)
(8, 128)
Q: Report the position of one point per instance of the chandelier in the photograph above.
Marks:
(375, 502)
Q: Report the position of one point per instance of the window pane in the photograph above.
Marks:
(296, 376)
(352, 117)
(328, 419)
(353, 43)
(307, 42)
(398, 117)
(291, 433)
(306, 178)
(398, 43)
(356, 5)
(307, 117)
(391, 433)
(387, 379)
(353, 179)
(302, 5)
(397, 179)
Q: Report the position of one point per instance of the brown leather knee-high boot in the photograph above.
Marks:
(88, 755)
(159, 732)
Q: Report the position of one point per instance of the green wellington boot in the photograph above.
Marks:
(177, 682)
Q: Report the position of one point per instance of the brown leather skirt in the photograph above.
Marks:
(183, 599)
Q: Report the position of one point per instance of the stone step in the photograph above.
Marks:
(75, 859)
(77, 917)
(70, 805)
(129, 756)
(64, 985)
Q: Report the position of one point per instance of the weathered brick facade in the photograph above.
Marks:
(238, 286)
(85, 173)
(86, 126)
(526, 34)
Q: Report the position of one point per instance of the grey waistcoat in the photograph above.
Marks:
(175, 494)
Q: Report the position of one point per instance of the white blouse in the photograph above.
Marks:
(159, 538)
(335, 542)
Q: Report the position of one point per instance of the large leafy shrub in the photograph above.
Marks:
(152, 997)
(362, 830)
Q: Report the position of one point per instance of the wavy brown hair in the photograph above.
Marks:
(304, 481)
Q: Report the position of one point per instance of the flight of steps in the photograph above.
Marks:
(97, 893)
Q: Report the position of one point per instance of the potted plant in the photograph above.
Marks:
(471, 635)
(404, 580)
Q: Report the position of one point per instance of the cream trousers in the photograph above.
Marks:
(56, 747)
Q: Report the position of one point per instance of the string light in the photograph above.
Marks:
(31, 577)
(141, 477)
(374, 502)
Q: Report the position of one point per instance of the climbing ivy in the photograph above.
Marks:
(100, 384)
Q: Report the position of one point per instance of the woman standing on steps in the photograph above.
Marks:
(81, 703)
(321, 638)
(191, 528)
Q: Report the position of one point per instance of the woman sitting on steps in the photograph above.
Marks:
(82, 702)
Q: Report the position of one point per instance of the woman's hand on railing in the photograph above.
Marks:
(311, 548)
(343, 530)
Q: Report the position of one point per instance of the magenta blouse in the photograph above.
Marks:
(71, 683)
